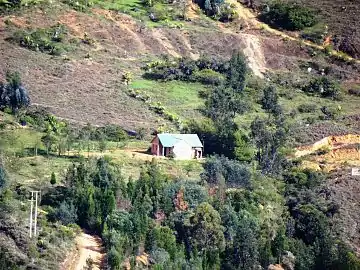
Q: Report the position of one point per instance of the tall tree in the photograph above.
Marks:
(245, 248)
(13, 94)
(236, 76)
(207, 234)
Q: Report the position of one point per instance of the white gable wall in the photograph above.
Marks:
(183, 151)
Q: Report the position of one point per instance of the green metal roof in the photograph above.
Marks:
(169, 140)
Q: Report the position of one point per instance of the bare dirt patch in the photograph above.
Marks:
(89, 246)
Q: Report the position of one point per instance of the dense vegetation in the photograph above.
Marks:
(289, 16)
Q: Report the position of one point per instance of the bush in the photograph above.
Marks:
(204, 70)
(315, 34)
(323, 87)
(235, 173)
(53, 179)
(44, 40)
(354, 92)
(208, 76)
(307, 108)
(80, 5)
(289, 16)
(65, 213)
(159, 12)
(330, 113)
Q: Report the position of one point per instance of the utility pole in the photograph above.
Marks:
(31, 211)
(35, 214)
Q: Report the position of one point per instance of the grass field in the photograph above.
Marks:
(178, 97)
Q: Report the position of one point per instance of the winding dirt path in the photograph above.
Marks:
(89, 246)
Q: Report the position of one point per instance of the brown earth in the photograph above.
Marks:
(331, 152)
(88, 246)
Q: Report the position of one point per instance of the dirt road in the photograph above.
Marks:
(88, 246)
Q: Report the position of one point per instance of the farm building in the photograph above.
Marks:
(181, 146)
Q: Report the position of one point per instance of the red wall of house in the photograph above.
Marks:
(154, 144)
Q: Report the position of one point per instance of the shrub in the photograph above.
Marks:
(53, 179)
(65, 213)
(330, 113)
(354, 92)
(323, 87)
(307, 108)
(44, 40)
(208, 76)
(234, 172)
(315, 35)
(289, 16)
(80, 5)
(204, 70)
(159, 12)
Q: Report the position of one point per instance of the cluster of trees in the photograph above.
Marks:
(13, 94)
(186, 224)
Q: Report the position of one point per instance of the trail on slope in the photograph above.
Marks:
(89, 246)
(251, 21)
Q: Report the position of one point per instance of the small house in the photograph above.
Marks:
(180, 146)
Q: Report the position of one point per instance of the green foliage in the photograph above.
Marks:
(13, 94)
(307, 108)
(269, 137)
(47, 40)
(114, 259)
(80, 5)
(269, 100)
(194, 194)
(204, 70)
(207, 235)
(208, 76)
(289, 16)
(49, 140)
(243, 151)
(324, 87)
(53, 179)
(234, 173)
(161, 237)
(3, 178)
(329, 113)
(237, 72)
(65, 213)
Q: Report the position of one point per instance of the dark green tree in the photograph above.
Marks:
(13, 94)
(114, 259)
(207, 234)
(245, 245)
(269, 100)
(53, 178)
(236, 76)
